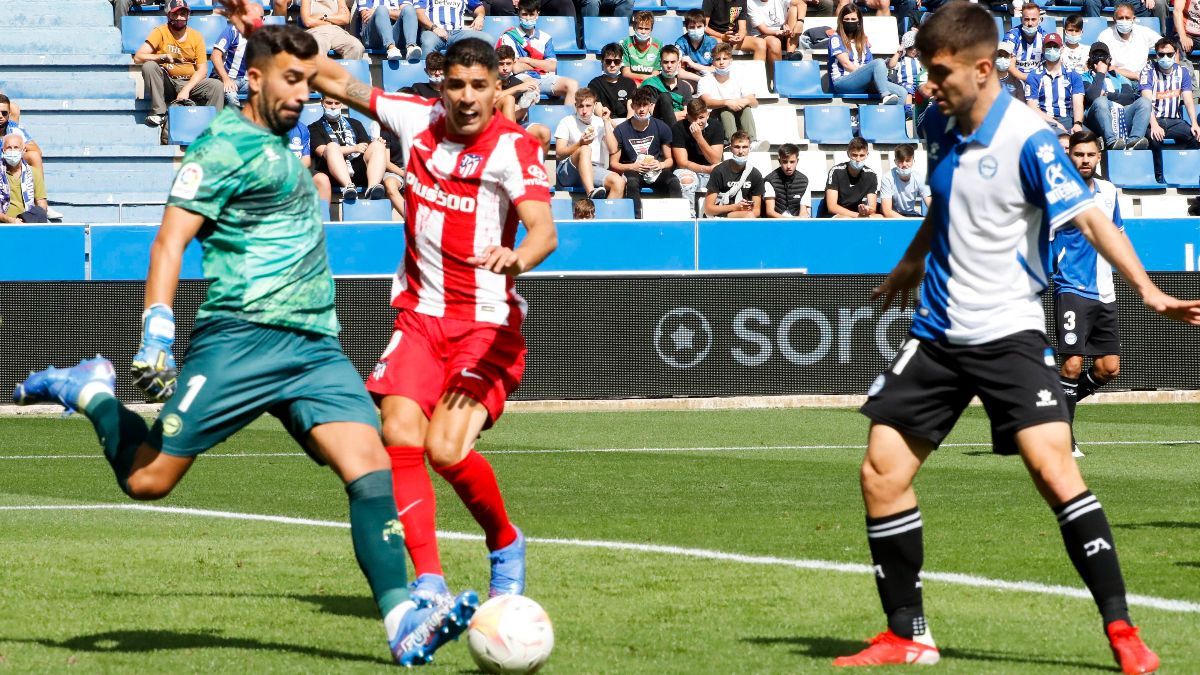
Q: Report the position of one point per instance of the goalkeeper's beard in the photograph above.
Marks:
(279, 121)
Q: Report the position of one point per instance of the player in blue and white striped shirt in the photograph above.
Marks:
(229, 63)
(1000, 185)
(1167, 84)
(443, 22)
(1056, 93)
(1027, 42)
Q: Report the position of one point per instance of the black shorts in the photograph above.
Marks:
(1086, 327)
(928, 385)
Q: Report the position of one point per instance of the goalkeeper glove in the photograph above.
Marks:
(153, 366)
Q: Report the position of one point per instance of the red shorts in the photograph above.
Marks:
(429, 356)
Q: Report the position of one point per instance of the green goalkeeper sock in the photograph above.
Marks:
(379, 542)
(121, 432)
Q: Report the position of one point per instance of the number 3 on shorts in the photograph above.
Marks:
(194, 385)
(1068, 320)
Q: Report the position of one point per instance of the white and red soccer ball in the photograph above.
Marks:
(510, 634)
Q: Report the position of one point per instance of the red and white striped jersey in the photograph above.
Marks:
(460, 198)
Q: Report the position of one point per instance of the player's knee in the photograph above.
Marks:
(1107, 369)
(398, 432)
(143, 487)
(1072, 366)
(443, 449)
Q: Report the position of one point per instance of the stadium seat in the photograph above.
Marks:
(1150, 22)
(1132, 169)
(1001, 29)
(562, 30)
(549, 115)
(359, 69)
(400, 74)
(753, 74)
(778, 124)
(881, 33)
(615, 209)
(1093, 26)
(800, 80)
(562, 209)
(601, 30)
(1181, 168)
(210, 27)
(311, 113)
(883, 124)
(682, 6)
(373, 210)
(817, 203)
(1126, 203)
(495, 25)
(134, 30)
(814, 167)
(186, 122)
(828, 124)
(649, 6)
(1162, 206)
(665, 209)
(580, 70)
(668, 29)
(365, 119)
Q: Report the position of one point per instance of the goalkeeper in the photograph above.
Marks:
(265, 339)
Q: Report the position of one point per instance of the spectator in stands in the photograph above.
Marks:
(1026, 40)
(1186, 21)
(727, 23)
(583, 145)
(1054, 92)
(1010, 83)
(732, 99)
(1075, 52)
(695, 46)
(583, 209)
(545, 8)
(673, 91)
(640, 52)
(229, 65)
(736, 188)
(347, 153)
(1167, 85)
(298, 143)
(903, 192)
(435, 70)
(23, 190)
(785, 190)
(1143, 8)
(644, 152)
(699, 143)
(443, 22)
(328, 21)
(518, 95)
(9, 125)
(778, 24)
(1128, 41)
(852, 69)
(1106, 92)
(387, 24)
(906, 67)
(174, 62)
(613, 90)
(851, 186)
(535, 58)
(587, 8)
(393, 173)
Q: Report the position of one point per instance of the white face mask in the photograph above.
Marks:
(1002, 65)
(641, 35)
(1125, 26)
(739, 160)
(904, 173)
(641, 117)
(695, 33)
(721, 71)
(332, 113)
(856, 165)
(436, 80)
(12, 157)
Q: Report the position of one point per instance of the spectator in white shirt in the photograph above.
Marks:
(583, 145)
(903, 191)
(1129, 42)
(777, 22)
(1074, 51)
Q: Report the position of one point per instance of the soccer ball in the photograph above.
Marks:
(510, 634)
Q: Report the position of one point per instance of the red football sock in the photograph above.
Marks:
(417, 506)
(475, 483)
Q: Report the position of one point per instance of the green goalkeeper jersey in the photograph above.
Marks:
(263, 239)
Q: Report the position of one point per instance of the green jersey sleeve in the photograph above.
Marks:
(208, 178)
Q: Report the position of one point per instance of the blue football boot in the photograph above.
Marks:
(508, 568)
(424, 630)
(64, 385)
(430, 590)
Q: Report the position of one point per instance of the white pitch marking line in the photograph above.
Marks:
(581, 451)
(970, 580)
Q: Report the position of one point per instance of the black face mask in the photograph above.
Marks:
(851, 28)
(177, 24)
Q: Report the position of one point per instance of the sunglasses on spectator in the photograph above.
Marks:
(608, 61)
(1165, 53)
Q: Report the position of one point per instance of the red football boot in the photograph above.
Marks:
(887, 648)
(1131, 653)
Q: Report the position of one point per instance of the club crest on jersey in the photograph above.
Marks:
(468, 165)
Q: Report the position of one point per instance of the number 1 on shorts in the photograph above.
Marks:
(194, 385)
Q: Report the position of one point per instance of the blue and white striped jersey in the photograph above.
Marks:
(1079, 269)
(233, 49)
(997, 194)
(448, 14)
(908, 73)
(836, 46)
(1027, 55)
(1169, 89)
(1053, 91)
(371, 4)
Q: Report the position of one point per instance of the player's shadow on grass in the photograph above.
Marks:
(357, 606)
(139, 641)
(830, 648)
(1159, 524)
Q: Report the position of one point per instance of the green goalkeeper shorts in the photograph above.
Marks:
(235, 371)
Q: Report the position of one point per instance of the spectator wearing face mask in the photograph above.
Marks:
(1008, 81)
(640, 52)
(735, 189)
(300, 146)
(851, 186)
(1026, 40)
(731, 99)
(673, 91)
(1139, 8)
(535, 58)
(1167, 85)
(613, 90)
(346, 153)
(23, 191)
(699, 143)
(852, 68)
(903, 192)
(695, 46)
(1104, 95)
(174, 63)
(435, 71)
(1129, 42)
(1055, 93)
(584, 144)
(643, 154)
(1075, 52)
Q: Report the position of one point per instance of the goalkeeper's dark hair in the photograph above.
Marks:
(472, 52)
(268, 41)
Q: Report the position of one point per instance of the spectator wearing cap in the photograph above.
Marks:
(1010, 83)
(1167, 85)
(1026, 40)
(1054, 92)
(327, 20)
(1141, 8)
(229, 65)
(906, 67)
(174, 62)
(1129, 42)
(1115, 108)
(1075, 52)
(23, 191)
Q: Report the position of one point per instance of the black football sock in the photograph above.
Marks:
(1071, 393)
(1090, 545)
(1088, 384)
(121, 432)
(897, 554)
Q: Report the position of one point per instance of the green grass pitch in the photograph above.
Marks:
(138, 591)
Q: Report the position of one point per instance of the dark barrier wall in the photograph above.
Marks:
(606, 337)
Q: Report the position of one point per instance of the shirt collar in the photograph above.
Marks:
(991, 122)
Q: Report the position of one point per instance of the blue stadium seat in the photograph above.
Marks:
(400, 74)
(362, 117)
(359, 69)
(1150, 22)
(311, 113)
(614, 209)
(374, 210)
(549, 115)
(134, 30)
(1001, 29)
(649, 6)
(800, 79)
(562, 30)
(883, 124)
(495, 25)
(1132, 169)
(562, 209)
(682, 6)
(1093, 26)
(828, 124)
(1181, 168)
(668, 29)
(186, 122)
(580, 70)
(210, 27)
(601, 30)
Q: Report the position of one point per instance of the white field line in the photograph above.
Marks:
(578, 451)
(970, 580)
